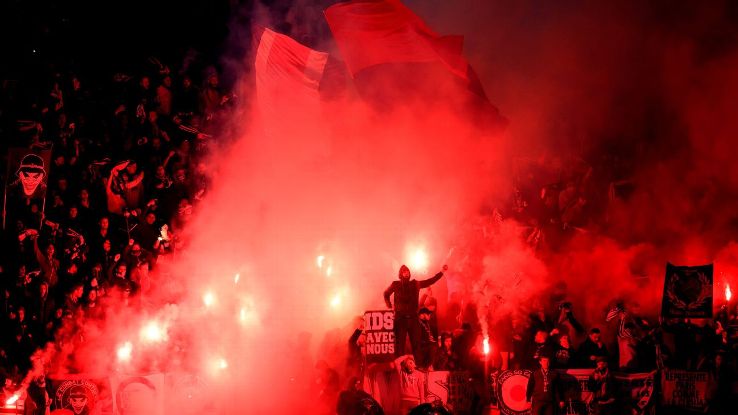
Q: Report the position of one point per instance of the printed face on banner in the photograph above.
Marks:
(78, 396)
(31, 173)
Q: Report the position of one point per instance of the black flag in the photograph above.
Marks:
(687, 292)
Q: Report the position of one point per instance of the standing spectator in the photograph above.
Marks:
(541, 346)
(591, 349)
(428, 343)
(544, 389)
(164, 96)
(406, 292)
(602, 385)
(47, 260)
(37, 401)
(354, 401)
(446, 358)
(411, 383)
(563, 354)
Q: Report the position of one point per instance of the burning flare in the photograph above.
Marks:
(12, 400)
(152, 332)
(728, 293)
(124, 352)
(485, 345)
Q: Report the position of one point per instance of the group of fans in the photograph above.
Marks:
(543, 345)
(109, 175)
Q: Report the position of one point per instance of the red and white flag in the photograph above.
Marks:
(287, 72)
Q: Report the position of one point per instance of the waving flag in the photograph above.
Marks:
(394, 56)
(287, 72)
(370, 33)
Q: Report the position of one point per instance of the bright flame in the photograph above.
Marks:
(208, 299)
(336, 300)
(418, 260)
(728, 293)
(124, 352)
(236, 278)
(13, 399)
(247, 313)
(319, 261)
(222, 364)
(329, 271)
(152, 332)
(485, 345)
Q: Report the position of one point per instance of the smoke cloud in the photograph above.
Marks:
(309, 218)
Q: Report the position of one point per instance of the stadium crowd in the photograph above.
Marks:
(126, 172)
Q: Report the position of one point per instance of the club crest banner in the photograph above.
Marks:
(81, 395)
(687, 292)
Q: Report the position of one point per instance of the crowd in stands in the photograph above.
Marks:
(126, 171)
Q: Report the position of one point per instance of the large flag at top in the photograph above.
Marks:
(392, 54)
(385, 31)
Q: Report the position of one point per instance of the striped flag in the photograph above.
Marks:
(288, 74)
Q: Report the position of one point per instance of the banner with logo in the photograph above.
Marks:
(509, 388)
(687, 292)
(139, 395)
(635, 390)
(379, 328)
(684, 389)
(436, 386)
(81, 395)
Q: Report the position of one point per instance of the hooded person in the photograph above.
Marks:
(406, 294)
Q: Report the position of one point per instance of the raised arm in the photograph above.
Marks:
(430, 281)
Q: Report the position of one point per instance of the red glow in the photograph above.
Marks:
(12, 400)
(152, 332)
(728, 293)
(124, 352)
(417, 259)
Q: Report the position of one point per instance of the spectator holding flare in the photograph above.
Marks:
(406, 293)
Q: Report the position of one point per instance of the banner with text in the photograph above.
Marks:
(379, 328)
(684, 389)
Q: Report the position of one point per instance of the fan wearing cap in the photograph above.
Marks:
(406, 292)
(31, 174)
(544, 388)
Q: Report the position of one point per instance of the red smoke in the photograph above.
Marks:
(360, 187)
